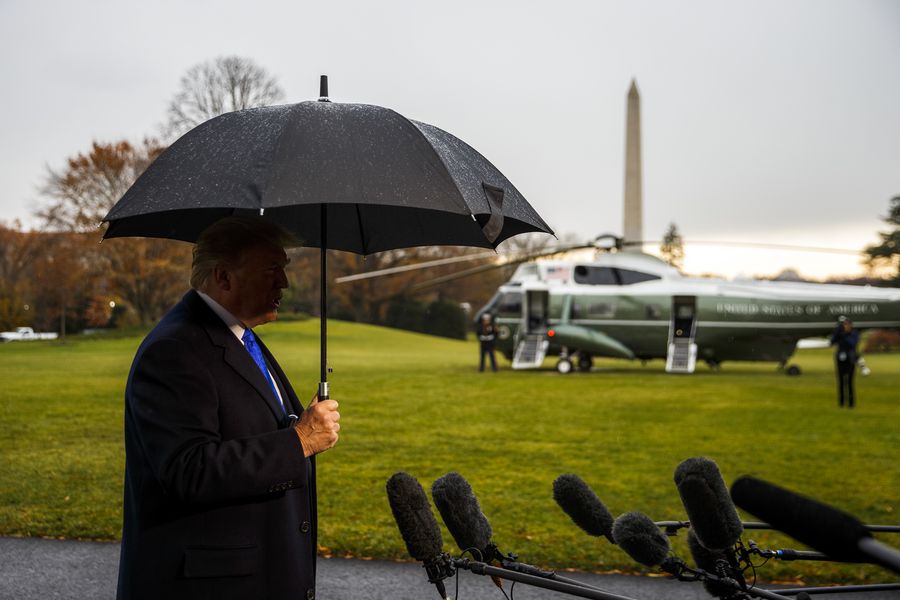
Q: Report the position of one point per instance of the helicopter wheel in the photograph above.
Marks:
(585, 362)
(564, 366)
(792, 371)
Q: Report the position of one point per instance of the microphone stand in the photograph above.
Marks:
(556, 585)
(511, 561)
(672, 527)
(790, 554)
(841, 589)
(679, 569)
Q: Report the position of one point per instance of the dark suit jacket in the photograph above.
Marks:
(219, 499)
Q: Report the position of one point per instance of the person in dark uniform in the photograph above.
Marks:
(487, 333)
(846, 338)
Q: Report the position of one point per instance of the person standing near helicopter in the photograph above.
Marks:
(846, 338)
(487, 334)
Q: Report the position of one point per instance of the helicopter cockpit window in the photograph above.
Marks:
(595, 275)
(610, 276)
(628, 277)
(510, 305)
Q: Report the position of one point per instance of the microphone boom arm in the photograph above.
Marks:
(556, 585)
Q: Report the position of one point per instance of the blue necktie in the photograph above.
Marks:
(253, 348)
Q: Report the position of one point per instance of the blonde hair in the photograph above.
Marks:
(224, 241)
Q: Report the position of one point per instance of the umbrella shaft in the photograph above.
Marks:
(323, 310)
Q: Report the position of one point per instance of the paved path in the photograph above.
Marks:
(37, 569)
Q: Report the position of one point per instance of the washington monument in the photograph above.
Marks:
(634, 224)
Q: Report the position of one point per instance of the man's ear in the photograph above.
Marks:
(221, 278)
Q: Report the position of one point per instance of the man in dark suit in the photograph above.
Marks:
(845, 337)
(220, 497)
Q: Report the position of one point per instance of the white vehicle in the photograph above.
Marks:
(23, 334)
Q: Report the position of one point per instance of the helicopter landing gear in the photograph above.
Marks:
(789, 370)
(585, 362)
(564, 365)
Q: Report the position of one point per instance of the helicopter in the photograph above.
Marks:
(635, 306)
(632, 305)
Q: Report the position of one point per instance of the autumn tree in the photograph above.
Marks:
(63, 280)
(19, 250)
(887, 253)
(672, 247)
(217, 86)
(82, 193)
(147, 274)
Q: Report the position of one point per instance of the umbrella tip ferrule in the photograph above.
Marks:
(323, 88)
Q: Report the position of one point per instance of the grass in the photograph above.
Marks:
(416, 403)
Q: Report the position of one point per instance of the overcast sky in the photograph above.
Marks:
(762, 121)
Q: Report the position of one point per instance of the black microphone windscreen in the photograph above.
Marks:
(639, 536)
(461, 512)
(709, 507)
(579, 501)
(706, 560)
(414, 517)
(817, 525)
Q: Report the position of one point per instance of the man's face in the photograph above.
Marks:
(252, 288)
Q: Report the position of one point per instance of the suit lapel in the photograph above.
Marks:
(234, 353)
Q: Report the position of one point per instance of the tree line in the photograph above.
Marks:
(60, 277)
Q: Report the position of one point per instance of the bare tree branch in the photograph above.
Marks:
(225, 84)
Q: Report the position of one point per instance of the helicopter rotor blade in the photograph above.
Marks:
(764, 245)
(605, 242)
(414, 267)
(504, 260)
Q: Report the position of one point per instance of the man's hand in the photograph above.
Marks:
(318, 426)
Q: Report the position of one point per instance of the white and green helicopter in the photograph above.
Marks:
(635, 306)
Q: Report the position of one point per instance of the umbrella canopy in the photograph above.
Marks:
(384, 181)
(350, 177)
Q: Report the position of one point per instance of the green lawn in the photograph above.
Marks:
(417, 403)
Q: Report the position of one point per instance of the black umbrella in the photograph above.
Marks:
(351, 177)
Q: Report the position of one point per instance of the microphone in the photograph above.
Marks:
(579, 501)
(419, 528)
(713, 517)
(462, 515)
(641, 539)
(829, 530)
(708, 560)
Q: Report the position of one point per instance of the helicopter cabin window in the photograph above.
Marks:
(593, 310)
(610, 276)
(510, 305)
